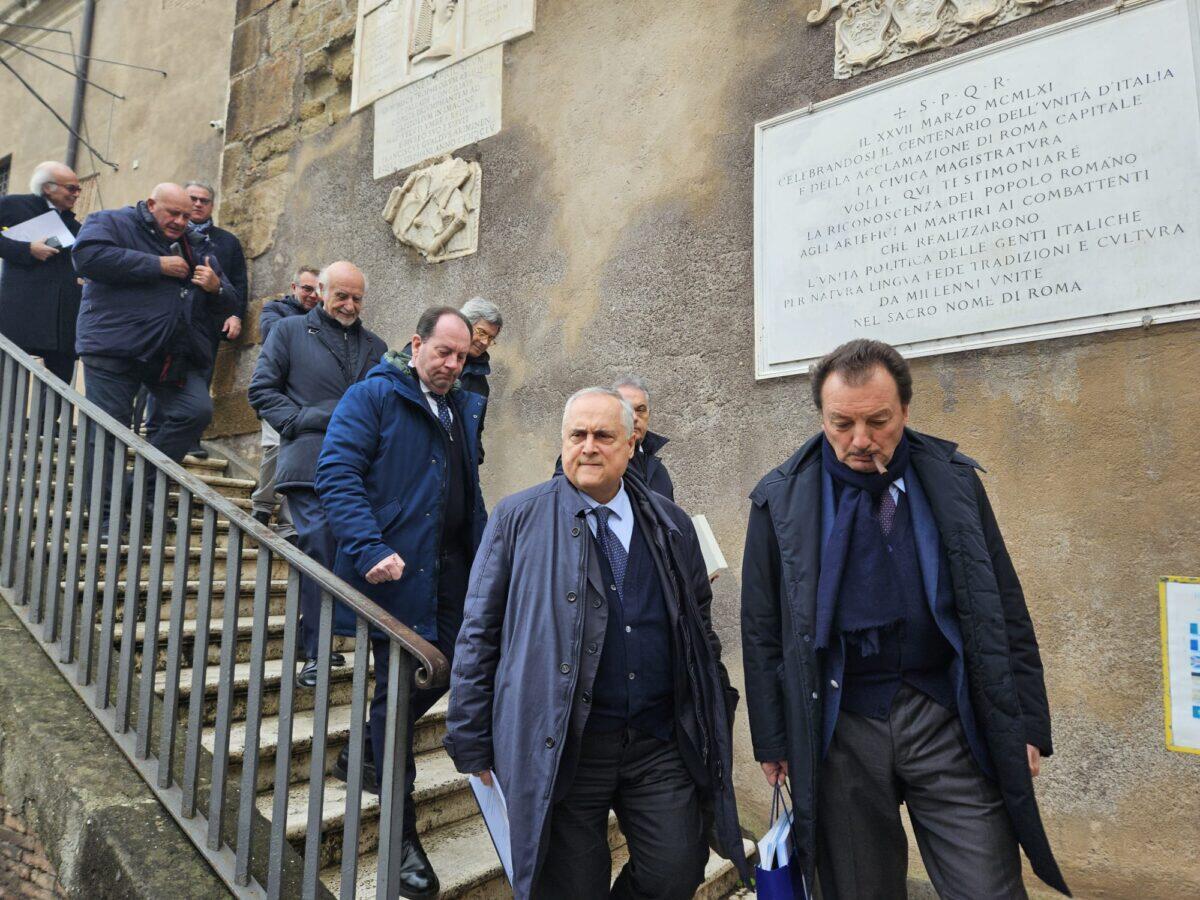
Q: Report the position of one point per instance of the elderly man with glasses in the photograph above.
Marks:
(39, 290)
(486, 322)
(304, 297)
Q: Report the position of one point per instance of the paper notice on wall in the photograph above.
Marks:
(1180, 601)
(436, 115)
(714, 559)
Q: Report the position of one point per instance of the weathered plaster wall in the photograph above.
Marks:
(617, 235)
(162, 125)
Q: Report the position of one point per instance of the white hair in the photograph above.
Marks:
(42, 176)
(477, 308)
(323, 278)
(634, 381)
(212, 192)
(626, 409)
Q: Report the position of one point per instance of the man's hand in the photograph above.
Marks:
(1035, 760)
(775, 771)
(388, 569)
(205, 278)
(713, 577)
(42, 251)
(232, 327)
(174, 266)
(485, 776)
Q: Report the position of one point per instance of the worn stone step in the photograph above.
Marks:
(442, 797)
(428, 736)
(275, 605)
(244, 631)
(197, 466)
(339, 688)
(279, 566)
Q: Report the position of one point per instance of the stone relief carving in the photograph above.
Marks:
(436, 210)
(873, 33)
(435, 30)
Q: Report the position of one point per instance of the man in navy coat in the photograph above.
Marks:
(39, 290)
(399, 480)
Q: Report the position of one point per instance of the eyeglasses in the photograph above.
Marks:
(69, 188)
(484, 337)
(305, 289)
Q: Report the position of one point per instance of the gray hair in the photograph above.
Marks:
(323, 278)
(633, 381)
(477, 308)
(212, 192)
(626, 409)
(42, 176)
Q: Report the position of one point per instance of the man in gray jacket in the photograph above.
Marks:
(306, 365)
(587, 676)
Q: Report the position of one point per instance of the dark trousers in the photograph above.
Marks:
(644, 780)
(314, 537)
(918, 756)
(59, 363)
(452, 591)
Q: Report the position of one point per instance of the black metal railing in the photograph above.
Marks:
(60, 575)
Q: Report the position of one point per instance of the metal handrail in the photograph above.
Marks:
(39, 418)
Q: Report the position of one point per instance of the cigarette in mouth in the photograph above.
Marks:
(879, 466)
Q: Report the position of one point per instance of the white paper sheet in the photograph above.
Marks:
(48, 224)
(495, 815)
(714, 559)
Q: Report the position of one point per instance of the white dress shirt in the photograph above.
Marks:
(620, 521)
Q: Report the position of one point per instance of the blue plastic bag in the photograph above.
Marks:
(778, 874)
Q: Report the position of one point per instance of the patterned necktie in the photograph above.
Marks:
(887, 511)
(609, 543)
(444, 414)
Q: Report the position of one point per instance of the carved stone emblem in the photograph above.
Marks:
(436, 210)
(435, 29)
(873, 33)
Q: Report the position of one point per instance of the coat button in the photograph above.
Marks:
(571, 598)
(592, 648)
(549, 742)
(433, 462)
(632, 675)
(833, 684)
(575, 531)
(564, 668)
(587, 698)
(807, 638)
(814, 695)
(596, 603)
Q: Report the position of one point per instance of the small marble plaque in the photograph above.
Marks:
(436, 115)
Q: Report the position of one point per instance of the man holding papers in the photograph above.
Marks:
(587, 676)
(39, 290)
(889, 654)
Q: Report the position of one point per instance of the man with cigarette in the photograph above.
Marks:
(889, 653)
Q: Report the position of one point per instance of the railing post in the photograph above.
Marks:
(391, 796)
(8, 428)
(42, 520)
(354, 777)
(229, 638)
(191, 756)
(13, 482)
(179, 583)
(87, 624)
(54, 586)
(112, 568)
(28, 489)
(154, 579)
(127, 664)
(316, 777)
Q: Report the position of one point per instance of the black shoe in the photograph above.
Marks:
(308, 675)
(262, 517)
(198, 452)
(341, 767)
(417, 878)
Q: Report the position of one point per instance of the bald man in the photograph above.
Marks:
(39, 292)
(147, 281)
(307, 363)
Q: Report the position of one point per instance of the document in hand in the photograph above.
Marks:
(495, 816)
(714, 559)
(48, 224)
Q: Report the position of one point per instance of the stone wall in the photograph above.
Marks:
(617, 234)
(25, 870)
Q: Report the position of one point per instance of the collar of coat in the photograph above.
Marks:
(920, 446)
(478, 365)
(401, 361)
(653, 442)
(573, 502)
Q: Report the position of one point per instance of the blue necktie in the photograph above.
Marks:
(444, 414)
(617, 557)
(887, 511)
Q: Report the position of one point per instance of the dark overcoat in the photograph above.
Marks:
(301, 374)
(784, 678)
(39, 301)
(652, 469)
(130, 310)
(382, 478)
(522, 678)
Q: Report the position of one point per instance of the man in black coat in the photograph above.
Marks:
(39, 290)
(307, 363)
(486, 324)
(888, 651)
(233, 262)
(645, 461)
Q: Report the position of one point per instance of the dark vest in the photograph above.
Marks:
(457, 522)
(916, 653)
(634, 683)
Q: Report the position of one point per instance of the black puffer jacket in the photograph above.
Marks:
(784, 679)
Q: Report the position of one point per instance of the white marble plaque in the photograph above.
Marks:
(457, 106)
(1039, 187)
(399, 42)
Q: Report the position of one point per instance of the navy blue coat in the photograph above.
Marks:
(650, 468)
(130, 309)
(233, 263)
(39, 301)
(275, 310)
(786, 679)
(300, 376)
(381, 477)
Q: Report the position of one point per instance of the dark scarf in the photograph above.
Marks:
(856, 590)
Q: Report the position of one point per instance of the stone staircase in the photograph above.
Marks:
(451, 826)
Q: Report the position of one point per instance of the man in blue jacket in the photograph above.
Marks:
(399, 480)
(147, 282)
